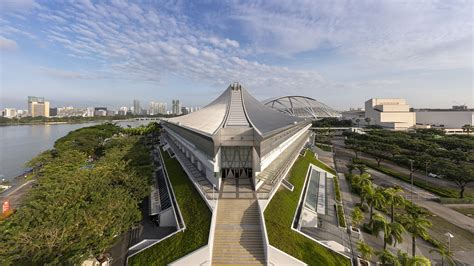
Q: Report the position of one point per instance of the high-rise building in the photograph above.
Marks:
(37, 106)
(157, 108)
(176, 108)
(9, 112)
(53, 111)
(100, 111)
(136, 107)
(123, 110)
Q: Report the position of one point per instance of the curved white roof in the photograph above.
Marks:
(301, 106)
(235, 107)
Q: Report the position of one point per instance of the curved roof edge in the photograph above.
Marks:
(234, 107)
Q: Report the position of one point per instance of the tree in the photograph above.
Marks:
(461, 175)
(374, 198)
(353, 145)
(405, 260)
(392, 232)
(78, 207)
(445, 254)
(416, 223)
(394, 198)
(388, 258)
(362, 168)
(357, 216)
(467, 128)
(366, 251)
(367, 120)
(350, 167)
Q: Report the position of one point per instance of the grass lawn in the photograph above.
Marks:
(462, 238)
(465, 211)
(279, 216)
(196, 215)
(324, 147)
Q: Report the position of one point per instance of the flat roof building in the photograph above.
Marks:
(236, 136)
(454, 118)
(390, 113)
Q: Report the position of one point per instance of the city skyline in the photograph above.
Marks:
(341, 54)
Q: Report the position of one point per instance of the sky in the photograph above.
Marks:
(88, 53)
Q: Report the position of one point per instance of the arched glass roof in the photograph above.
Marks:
(301, 106)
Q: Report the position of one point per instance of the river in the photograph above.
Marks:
(18, 144)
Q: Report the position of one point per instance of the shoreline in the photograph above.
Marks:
(151, 119)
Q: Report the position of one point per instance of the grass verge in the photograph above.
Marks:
(279, 216)
(196, 215)
(431, 187)
(324, 147)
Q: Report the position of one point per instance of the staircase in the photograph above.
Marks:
(236, 111)
(238, 237)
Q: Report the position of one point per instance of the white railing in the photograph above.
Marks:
(263, 228)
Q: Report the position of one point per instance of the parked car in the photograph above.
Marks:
(435, 175)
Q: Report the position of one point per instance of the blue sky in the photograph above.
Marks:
(87, 53)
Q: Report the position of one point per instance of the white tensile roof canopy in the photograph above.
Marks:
(235, 107)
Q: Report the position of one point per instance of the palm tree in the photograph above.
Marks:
(388, 258)
(357, 216)
(416, 223)
(406, 260)
(394, 197)
(366, 251)
(445, 254)
(392, 232)
(361, 180)
(374, 197)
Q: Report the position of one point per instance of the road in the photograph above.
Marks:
(15, 194)
(339, 143)
(449, 219)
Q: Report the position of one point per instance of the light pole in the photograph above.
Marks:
(449, 236)
(411, 178)
(213, 191)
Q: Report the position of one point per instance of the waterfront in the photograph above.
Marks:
(18, 144)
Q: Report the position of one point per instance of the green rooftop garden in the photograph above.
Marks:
(279, 217)
(196, 215)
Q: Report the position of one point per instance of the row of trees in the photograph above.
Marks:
(447, 156)
(87, 192)
(404, 217)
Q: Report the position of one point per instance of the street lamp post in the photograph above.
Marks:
(411, 178)
(449, 236)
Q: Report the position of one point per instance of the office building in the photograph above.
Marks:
(37, 106)
(123, 110)
(137, 110)
(9, 112)
(176, 107)
(390, 113)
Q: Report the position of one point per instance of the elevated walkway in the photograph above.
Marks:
(204, 185)
(271, 175)
(238, 238)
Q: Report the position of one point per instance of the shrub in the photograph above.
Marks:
(340, 215)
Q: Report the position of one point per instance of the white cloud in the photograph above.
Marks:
(134, 42)
(383, 32)
(7, 44)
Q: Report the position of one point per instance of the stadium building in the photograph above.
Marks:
(236, 137)
(302, 106)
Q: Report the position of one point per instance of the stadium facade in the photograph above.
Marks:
(236, 136)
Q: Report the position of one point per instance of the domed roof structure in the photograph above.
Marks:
(301, 106)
